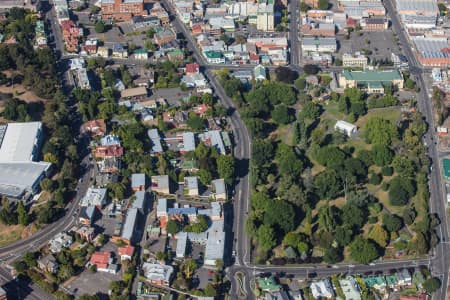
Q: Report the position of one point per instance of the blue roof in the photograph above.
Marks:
(182, 211)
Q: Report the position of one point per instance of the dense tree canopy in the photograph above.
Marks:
(363, 251)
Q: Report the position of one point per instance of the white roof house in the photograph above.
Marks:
(160, 184)
(350, 288)
(59, 241)
(161, 208)
(215, 245)
(188, 141)
(322, 289)
(191, 185)
(130, 224)
(182, 238)
(94, 197)
(138, 181)
(20, 141)
(213, 138)
(158, 273)
(156, 140)
(346, 128)
(219, 189)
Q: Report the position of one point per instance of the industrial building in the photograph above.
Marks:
(432, 52)
(20, 174)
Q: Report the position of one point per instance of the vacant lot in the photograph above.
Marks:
(10, 234)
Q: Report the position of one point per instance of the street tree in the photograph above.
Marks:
(363, 250)
(266, 237)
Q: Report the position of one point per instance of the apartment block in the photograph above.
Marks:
(122, 10)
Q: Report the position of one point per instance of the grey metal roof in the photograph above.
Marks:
(139, 201)
(219, 186)
(432, 47)
(20, 141)
(19, 177)
(181, 244)
(215, 246)
(137, 179)
(162, 205)
(419, 5)
(188, 141)
(130, 222)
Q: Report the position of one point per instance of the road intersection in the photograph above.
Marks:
(438, 263)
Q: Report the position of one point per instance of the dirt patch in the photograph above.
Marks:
(19, 92)
(10, 234)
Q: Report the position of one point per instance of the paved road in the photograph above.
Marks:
(438, 263)
(441, 263)
(293, 32)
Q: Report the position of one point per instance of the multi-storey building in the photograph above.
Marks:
(122, 10)
(358, 60)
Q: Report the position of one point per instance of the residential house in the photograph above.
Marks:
(191, 186)
(110, 140)
(219, 190)
(161, 208)
(213, 138)
(94, 197)
(158, 274)
(87, 215)
(134, 93)
(126, 252)
(155, 141)
(110, 158)
(350, 288)
(160, 184)
(141, 54)
(60, 241)
(95, 128)
(215, 245)
(193, 68)
(268, 284)
(346, 128)
(164, 36)
(322, 289)
(138, 182)
(86, 233)
(71, 34)
(178, 213)
(103, 51)
(90, 46)
(82, 79)
(118, 51)
(103, 261)
(48, 263)
(214, 57)
(404, 278)
(260, 73)
(175, 55)
(129, 226)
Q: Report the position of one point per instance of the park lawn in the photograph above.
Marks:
(10, 234)
(331, 111)
(383, 197)
(358, 144)
(390, 113)
(284, 134)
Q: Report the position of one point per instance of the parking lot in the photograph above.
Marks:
(93, 283)
(380, 43)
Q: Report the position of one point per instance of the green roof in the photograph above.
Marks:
(391, 280)
(141, 51)
(226, 139)
(372, 281)
(176, 52)
(446, 165)
(373, 75)
(268, 284)
(213, 54)
(375, 84)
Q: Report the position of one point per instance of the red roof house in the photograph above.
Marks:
(103, 152)
(192, 68)
(101, 259)
(126, 252)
